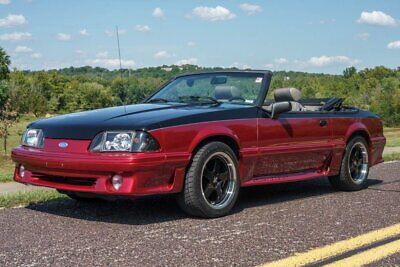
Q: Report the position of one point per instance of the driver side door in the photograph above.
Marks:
(296, 142)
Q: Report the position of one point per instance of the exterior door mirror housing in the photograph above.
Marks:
(280, 107)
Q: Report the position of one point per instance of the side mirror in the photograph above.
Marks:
(280, 107)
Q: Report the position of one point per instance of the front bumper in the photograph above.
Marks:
(143, 173)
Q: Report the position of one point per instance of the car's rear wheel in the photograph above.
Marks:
(212, 182)
(354, 169)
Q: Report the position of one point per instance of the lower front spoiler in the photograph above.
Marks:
(141, 176)
(139, 183)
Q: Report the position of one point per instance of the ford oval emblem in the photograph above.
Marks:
(63, 144)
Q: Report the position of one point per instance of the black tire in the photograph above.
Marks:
(193, 198)
(78, 197)
(344, 180)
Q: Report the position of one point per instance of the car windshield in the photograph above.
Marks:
(240, 88)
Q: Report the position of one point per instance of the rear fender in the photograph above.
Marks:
(357, 127)
(360, 128)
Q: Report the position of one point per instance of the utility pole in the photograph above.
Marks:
(119, 52)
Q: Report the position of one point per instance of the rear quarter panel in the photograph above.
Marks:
(377, 139)
(344, 128)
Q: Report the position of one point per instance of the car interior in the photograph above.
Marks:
(293, 96)
(227, 92)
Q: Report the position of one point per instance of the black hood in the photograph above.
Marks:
(85, 125)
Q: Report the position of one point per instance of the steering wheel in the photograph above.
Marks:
(237, 98)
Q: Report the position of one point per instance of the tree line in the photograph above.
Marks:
(84, 88)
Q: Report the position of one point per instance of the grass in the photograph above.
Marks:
(6, 164)
(391, 157)
(6, 177)
(25, 198)
(6, 169)
(392, 136)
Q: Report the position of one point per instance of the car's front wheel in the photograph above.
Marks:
(212, 182)
(354, 169)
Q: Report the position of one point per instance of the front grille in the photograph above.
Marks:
(65, 180)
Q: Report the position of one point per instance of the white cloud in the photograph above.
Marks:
(16, 36)
(187, 61)
(376, 18)
(22, 49)
(142, 28)
(111, 62)
(12, 20)
(250, 9)
(103, 54)
(191, 44)
(269, 65)
(323, 61)
(394, 45)
(63, 37)
(242, 66)
(83, 32)
(281, 60)
(162, 54)
(213, 13)
(5, 2)
(363, 36)
(158, 13)
(36, 55)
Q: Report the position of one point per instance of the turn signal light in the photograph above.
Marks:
(21, 171)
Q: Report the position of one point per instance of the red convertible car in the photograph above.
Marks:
(202, 136)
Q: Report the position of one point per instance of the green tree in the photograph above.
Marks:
(8, 117)
(94, 95)
(350, 71)
(4, 64)
(75, 89)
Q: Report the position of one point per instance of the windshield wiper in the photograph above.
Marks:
(199, 98)
(157, 100)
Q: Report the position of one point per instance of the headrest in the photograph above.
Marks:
(287, 94)
(226, 92)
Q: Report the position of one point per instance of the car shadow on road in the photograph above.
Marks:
(159, 209)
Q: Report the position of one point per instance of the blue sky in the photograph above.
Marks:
(309, 35)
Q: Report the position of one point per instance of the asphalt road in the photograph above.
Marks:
(268, 223)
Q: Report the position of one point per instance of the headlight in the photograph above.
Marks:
(124, 141)
(33, 138)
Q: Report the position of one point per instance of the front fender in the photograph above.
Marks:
(216, 131)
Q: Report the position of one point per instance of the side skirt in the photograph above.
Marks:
(287, 178)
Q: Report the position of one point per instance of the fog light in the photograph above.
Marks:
(116, 181)
(22, 171)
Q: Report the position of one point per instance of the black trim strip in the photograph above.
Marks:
(357, 113)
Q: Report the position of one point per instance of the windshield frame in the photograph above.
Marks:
(267, 76)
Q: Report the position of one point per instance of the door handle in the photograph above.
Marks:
(323, 123)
